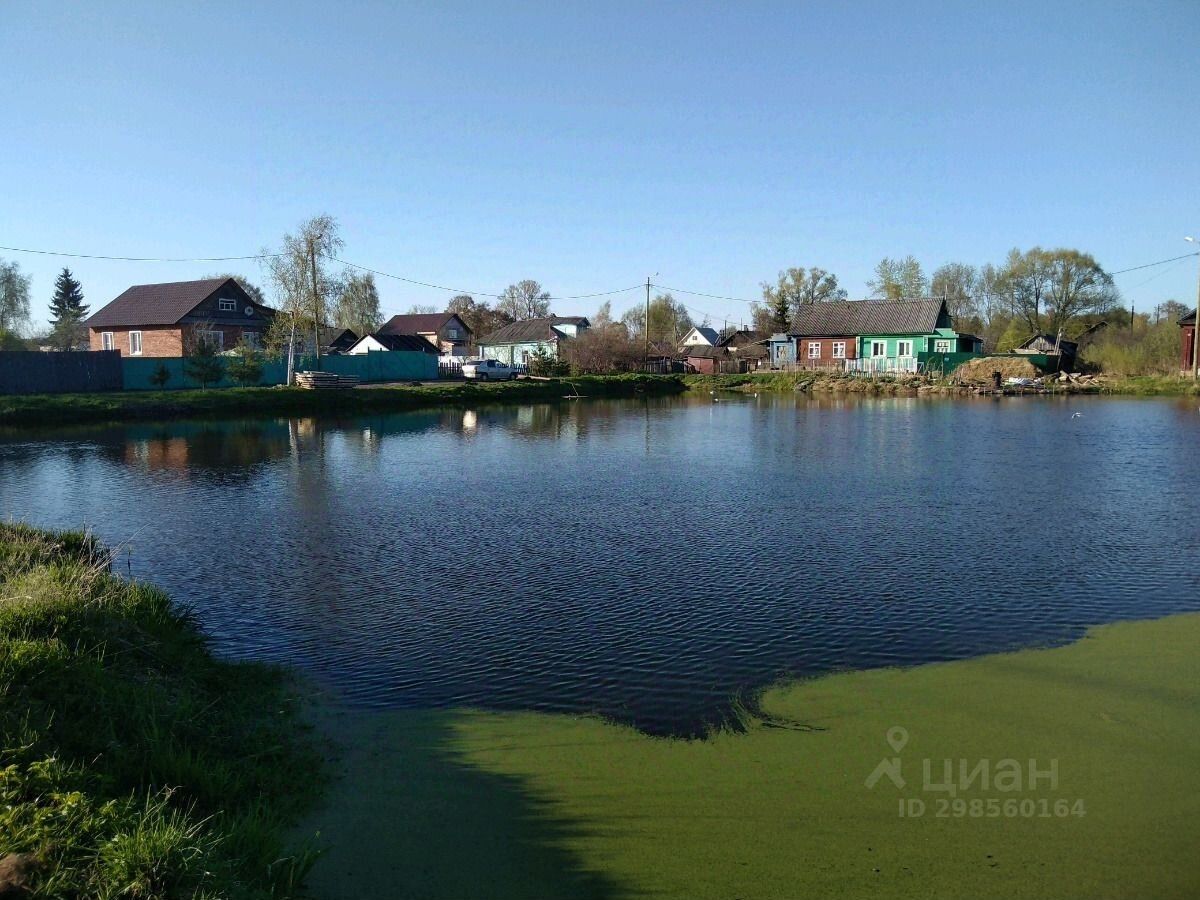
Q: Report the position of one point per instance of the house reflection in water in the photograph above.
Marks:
(206, 447)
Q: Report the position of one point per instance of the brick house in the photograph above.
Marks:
(168, 319)
(445, 330)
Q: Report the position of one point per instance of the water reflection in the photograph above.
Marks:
(644, 559)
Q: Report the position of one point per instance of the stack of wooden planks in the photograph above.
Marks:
(325, 381)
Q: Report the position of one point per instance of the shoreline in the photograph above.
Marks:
(130, 406)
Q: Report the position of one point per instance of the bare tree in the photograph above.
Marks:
(524, 300)
(957, 284)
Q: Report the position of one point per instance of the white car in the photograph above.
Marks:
(488, 370)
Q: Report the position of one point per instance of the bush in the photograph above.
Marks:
(160, 376)
(204, 366)
(246, 366)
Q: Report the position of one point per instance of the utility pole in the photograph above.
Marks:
(647, 323)
(312, 258)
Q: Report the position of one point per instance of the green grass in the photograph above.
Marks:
(50, 409)
(1152, 386)
(471, 804)
(132, 763)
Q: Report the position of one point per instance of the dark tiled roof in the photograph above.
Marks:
(702, 351)
(757, 350)
(418, 323)
(405, 342)
(338, 338)
(529, 330)
(709, 334)
(970, 337)
(741, 335)
(856, 317)
(156, 304)
(1189, 319)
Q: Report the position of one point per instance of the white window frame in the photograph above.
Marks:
(878, 349)
(452, 334)
(942, 345)
(214, 337)
(251, 338)
(107, 342)
(839, 349)
(225, 304)
(814, 349)
(901, 347)
(138, 351)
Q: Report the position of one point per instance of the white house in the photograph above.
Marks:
(376, 343)
(700, 336)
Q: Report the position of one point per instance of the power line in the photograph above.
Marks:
(442, 287)
(141, 258)
(1161, 262)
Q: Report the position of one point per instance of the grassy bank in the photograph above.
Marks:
(1152, 386)
(132, 763)
(50, 409)
(463, 804)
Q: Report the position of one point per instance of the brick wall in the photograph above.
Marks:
(160, 340)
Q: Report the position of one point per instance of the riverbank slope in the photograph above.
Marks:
(133, 763)
(441, 804)
(913, 385)
(70, 409)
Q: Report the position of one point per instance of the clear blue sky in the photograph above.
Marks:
(588, 145)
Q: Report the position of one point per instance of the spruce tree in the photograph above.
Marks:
(67, 310)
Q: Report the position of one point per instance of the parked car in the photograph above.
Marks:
(488, 370)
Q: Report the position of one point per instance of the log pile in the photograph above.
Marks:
(325, 381)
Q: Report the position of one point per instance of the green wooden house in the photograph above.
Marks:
(870, 335)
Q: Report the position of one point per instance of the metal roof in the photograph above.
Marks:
(158, 304)
(528, 331)
(856, 317)
(418, 323)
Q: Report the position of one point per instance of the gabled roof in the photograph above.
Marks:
(709, 334)
(158, 304)
(856, 317)
(746, 336)
(528, 331)
(1046, 342)
(400, 342)
(1189, 319)
(419, 323)
(702, 351)
(337, 338)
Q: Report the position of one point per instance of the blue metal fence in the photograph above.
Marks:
(395, 365)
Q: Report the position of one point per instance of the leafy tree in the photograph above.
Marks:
(669, 320)
(358, 305)
(160, 376)
(1171, 311)
(14, 297)
(67, 311)
(524, 300)
(481, 318)
(899, 279)
(245, 366)
(419, 309)
(543, 362)
(1049, 288)
(1015, 334)
(203, 364)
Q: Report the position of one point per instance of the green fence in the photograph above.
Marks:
(395, 365)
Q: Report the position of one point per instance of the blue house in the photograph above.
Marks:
(518, 342)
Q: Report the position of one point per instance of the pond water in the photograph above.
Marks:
(647, 560)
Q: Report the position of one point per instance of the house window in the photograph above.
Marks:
(904, 348)
(250, 338)
(942, 347)
(214, 339)
(135, 343)
(106, 340)
(452, 334)
(226, 305)
(879, 348)
(814, 349)
(839, 349)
